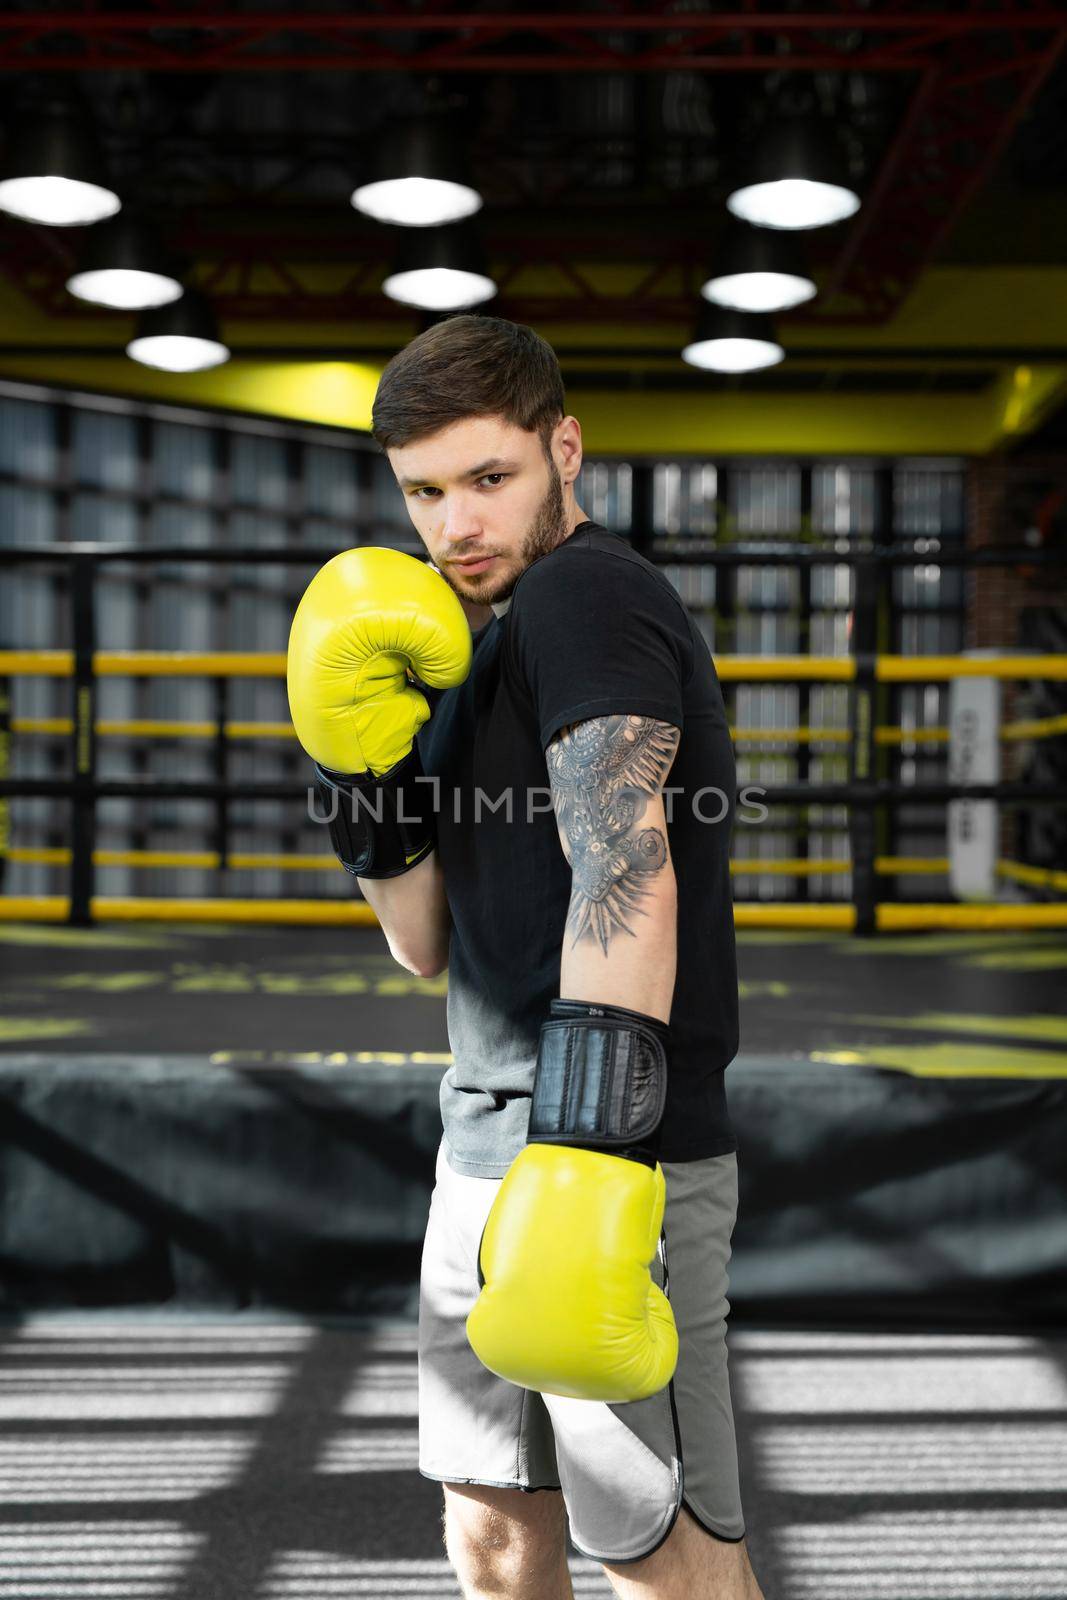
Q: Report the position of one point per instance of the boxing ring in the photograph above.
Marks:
(218, 1143)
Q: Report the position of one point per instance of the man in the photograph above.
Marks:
(574, 879)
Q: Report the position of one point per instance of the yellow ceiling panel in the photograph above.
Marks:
(1013, 319)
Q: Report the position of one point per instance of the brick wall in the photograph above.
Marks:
(1003, 493)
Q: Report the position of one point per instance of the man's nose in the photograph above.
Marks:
(462, 520)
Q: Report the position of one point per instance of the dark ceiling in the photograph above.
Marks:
(604, 132)
(603, 137)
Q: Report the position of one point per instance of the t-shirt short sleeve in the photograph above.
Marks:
(594, 634)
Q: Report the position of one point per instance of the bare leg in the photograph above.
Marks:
(689, 1565)
(507, 1545)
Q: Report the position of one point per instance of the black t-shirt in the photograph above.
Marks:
(593, 630)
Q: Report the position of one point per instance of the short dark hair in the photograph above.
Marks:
(468, 366)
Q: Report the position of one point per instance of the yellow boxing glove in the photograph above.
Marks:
(364, 619)
(568, 1304)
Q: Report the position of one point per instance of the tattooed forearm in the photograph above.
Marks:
(603, 774)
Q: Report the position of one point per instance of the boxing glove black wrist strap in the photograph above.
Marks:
(601, 1079)
(379, 827)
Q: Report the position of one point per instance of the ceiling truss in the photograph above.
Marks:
(629, 35)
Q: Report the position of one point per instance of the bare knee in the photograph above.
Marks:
(506, 1542)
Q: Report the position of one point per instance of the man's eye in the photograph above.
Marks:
(491, 478)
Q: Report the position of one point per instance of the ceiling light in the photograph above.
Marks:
(53, 173)
(180, 337)
(124, 268)
(758, 270)
(440, 271)
(732, 341)
(795, 177)
(419, 179)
